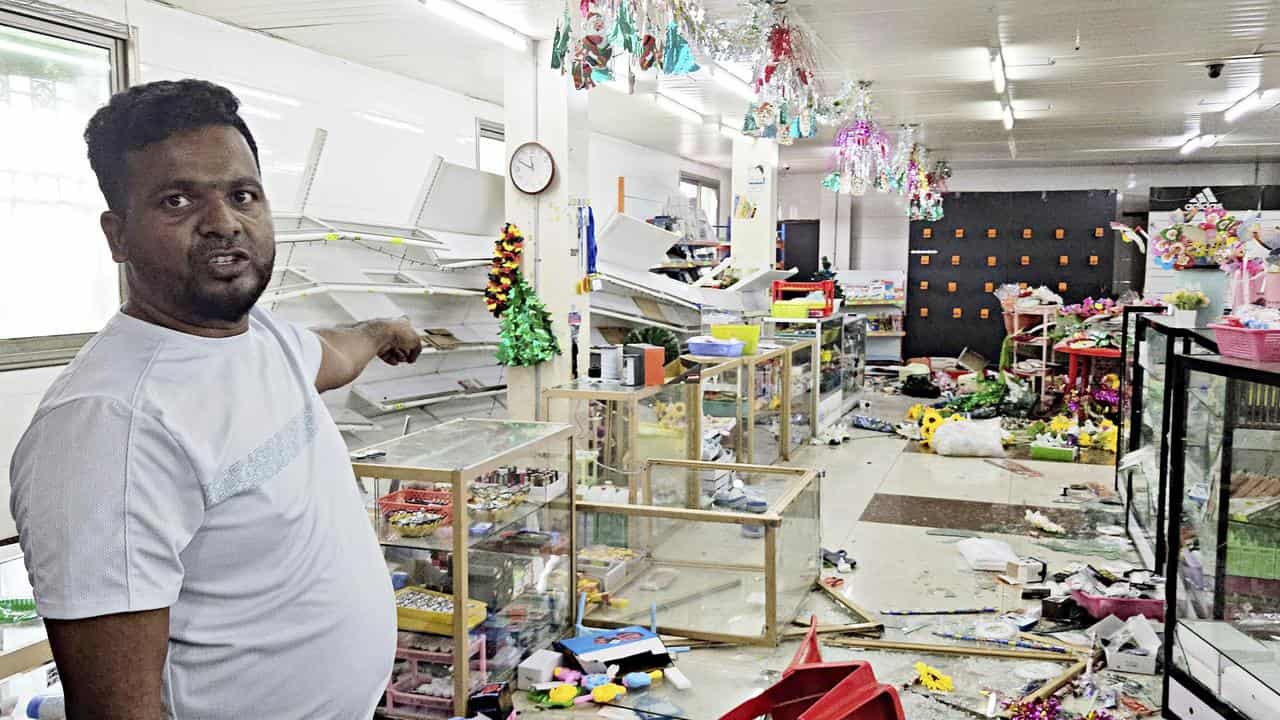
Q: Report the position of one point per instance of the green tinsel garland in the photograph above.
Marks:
(525, 337)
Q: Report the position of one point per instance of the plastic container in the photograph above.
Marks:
(705, 347)
(748, 334)
(431, 621)
(1100, 606)
(1247, 343)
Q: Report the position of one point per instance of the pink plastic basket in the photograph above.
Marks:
(1247, 343)
(1100, 606)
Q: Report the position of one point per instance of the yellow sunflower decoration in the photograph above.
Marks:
(1060, 424)
(930, 421)
(915, 411)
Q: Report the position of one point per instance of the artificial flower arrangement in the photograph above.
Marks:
(1184, 299)
(1189, 243)
(1254, 317)
(1090, 307)
(1064, 431)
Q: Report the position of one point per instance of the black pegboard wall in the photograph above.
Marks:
(1060, 239)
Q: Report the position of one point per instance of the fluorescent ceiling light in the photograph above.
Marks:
(478, 23)
(1208, 140)
(732, 83)
(677, 108)
(1013, 149)
(391, 122)
(244, 92)
(254, 111)
(998, 80)
(1190, 146)
(1245, 105)
(1007, 117)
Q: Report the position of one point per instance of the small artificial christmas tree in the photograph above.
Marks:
(525, 337)
(826, 273)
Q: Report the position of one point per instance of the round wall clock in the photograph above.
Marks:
(532, 169)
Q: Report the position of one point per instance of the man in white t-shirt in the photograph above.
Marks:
(191, 524)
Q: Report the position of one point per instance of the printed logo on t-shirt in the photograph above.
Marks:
(265, 461)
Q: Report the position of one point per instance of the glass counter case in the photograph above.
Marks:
(480, 510)
(717, 407)
(828, 361)
(1222, 655)
(25, 656)
(1142, 466)
(767, 387)
(854, 344)
(1128, 370)
(724, 552)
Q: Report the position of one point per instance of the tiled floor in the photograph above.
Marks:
(884, 506)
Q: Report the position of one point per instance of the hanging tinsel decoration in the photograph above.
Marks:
(505, 269)
(862, 148)
(896, 171)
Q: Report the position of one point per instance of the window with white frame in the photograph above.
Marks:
(705, 193)
(58, 284)
(491, 147)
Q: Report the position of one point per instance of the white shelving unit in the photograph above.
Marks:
(431, 269)
(878, 294)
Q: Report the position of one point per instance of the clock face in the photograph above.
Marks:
(532, 168)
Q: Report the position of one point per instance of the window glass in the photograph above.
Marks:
(57, 277)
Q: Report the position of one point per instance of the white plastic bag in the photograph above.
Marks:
(986, 554)
(971, 438)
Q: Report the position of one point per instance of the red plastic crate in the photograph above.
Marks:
(828, 288)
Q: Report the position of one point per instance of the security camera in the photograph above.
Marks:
(786, 167)
(1215, 70)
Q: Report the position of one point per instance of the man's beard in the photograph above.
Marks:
(230, 305)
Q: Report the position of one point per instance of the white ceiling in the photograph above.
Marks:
(1132, 91)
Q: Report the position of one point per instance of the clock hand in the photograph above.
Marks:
(528, 164)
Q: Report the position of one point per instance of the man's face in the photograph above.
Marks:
(196, 238)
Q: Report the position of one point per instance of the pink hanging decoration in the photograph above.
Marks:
(862, 147)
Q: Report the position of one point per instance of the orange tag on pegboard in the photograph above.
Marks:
(1025, 260)
(951, 287)
(1093, 259)
(991, 233)
(984, 313)
(1097, 232)
(927, 233)
(924, 284)
(959, 233)
(956, 312)
(955, 259)
(924, 259)
(991, 261)
(1059, 233)
(1064, 260)
(924, 312)
(1062, 287)
(1026, 233)
(989, 287)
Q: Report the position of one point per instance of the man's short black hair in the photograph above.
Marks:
(151, 113)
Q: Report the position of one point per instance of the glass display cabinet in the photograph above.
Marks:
(1128, 369)
(854, 344)
(478, 510)
(829, 361)
(723, 552)
(767, 388)
(617, 427)
(716, 406)
(1142, 467)
(800, 366)
(25, 656)
(1222, 656)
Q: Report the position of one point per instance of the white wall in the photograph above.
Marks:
(880, 232)
(1132, 181)
(802, 197)
(651, 176)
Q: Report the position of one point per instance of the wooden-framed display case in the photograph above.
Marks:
(1223, 566)
(504, 530)
(723, 551)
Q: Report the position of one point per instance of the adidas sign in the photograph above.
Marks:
(1204, 200)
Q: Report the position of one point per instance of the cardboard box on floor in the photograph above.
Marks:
(1114, 634)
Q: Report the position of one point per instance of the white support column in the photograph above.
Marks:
(541, 105)
(755, 177)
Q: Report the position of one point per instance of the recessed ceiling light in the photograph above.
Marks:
(1007, 118)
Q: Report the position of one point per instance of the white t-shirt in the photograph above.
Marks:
(205, 475)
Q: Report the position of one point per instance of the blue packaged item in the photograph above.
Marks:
(715, 347)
